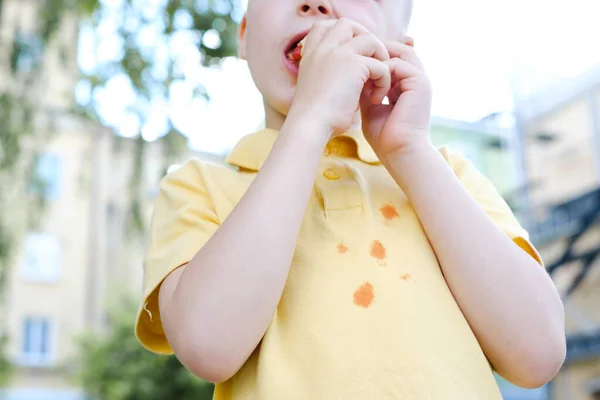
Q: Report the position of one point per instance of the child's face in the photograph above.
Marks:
(271, 26)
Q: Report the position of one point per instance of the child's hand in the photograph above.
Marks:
(404, 123)
(340, 56)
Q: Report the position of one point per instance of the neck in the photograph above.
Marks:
(275, 120)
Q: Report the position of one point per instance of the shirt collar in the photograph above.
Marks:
(252, 150)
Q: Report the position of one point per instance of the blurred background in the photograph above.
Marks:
(99, 99)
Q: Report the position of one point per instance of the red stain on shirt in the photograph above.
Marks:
(377, 250)
(342, 248)
(363, 297)
(405, 277)
(389, 212)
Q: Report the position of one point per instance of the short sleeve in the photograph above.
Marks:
(183, 220)
(487, 196)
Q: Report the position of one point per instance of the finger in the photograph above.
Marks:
(404, 52)
(379, 73)
(317, 32)
(401, 69)
(367, 92)
(394, 93)
(342, 31)
(366, 44)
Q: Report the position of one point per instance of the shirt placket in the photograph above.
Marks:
(338, 188)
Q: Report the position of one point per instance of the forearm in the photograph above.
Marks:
(509, 301)
(227, 294)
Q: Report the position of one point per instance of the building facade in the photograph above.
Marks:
(84, 249)
(560, 132)
(83, 252)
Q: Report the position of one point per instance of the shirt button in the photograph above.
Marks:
(330, 174)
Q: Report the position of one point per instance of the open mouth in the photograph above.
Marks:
(294, 50)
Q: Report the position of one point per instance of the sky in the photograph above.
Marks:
(478, 54)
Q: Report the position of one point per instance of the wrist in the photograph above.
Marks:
(302, 126)
(409, 154)
(411, 162)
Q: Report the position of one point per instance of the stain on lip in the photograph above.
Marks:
(295, 54)
(294, 40)
(293, 51)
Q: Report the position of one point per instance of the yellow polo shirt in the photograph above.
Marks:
(366, 312)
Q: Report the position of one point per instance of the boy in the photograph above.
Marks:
(345, 258)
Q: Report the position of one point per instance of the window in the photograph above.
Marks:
(47, 177)
(36, 347)
(42, 259)
(27, 53)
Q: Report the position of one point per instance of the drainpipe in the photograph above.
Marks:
(96, 277)
(518, 146)
(90, 290)
(593, 106)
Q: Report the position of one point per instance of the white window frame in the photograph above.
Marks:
(37, 358)
(49, 172)
(33, 273)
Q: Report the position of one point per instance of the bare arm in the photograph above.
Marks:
(216, 309)
(234, 283)
(509, 301)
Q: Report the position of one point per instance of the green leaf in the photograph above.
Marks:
(115, 366)
(88, 7)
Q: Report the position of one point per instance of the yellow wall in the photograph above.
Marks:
(572, 383)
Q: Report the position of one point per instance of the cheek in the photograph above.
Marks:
(261, 43)
(265, 62)
(260, 52)
(366, 12)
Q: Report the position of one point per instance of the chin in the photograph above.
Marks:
(281, 102)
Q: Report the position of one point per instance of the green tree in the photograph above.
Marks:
(152, 42)
(5, 368)
(156, 46)
(115, 367)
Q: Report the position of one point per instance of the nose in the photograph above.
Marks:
(315, 8)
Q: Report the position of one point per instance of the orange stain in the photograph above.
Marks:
(405, 277)
(363, 296)
(377, 250)
(342, 248)
(389, 212)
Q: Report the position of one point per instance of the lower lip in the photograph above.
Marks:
(293, 68)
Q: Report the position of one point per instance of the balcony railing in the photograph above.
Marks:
(567, 218)
(583, 346)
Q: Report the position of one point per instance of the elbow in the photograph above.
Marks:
(534, 368)
(538, 359)
(211, 372)
(205, 355)
(209, 359)
(208, 365)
